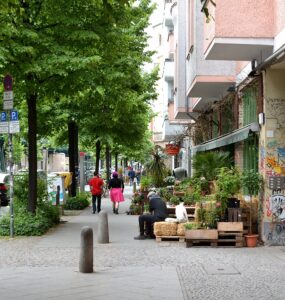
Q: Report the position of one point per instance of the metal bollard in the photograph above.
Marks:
(86, 250)
(103, 228)
(134, 187)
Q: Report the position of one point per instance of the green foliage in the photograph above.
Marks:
(165, 194)
(146, 182)
(156, 168)
(207, 164)
(169, 180)
(191, 198)
(251, 181)
(25, 223)
(190, 226)
(229, 181)
(78, 202)
(138, 198)
(174, 200)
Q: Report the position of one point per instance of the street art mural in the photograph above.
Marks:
(277, 207)
(274, 233)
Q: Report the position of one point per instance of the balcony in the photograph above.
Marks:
(210, 87)
(168, 70)
(232, 34)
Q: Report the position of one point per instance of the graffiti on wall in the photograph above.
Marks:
(276, 109)
(277, 207)
(274, 233)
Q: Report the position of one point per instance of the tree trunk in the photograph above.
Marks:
(116, 161)
(32, 149)
(98, 149)
(108, 162)
(73, 155)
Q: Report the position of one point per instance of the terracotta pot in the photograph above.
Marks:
(251, 240)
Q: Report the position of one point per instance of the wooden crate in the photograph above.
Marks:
(230, 226)
(181, 239)
(201, 243)
(201, 234)
(230, 239)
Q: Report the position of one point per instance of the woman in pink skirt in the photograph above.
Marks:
(116, 186)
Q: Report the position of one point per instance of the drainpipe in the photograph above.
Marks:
(275, 57)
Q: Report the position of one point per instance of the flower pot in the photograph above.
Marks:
(251, 240)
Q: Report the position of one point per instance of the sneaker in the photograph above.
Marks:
(140, 237)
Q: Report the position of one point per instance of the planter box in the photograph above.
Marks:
(201, 234)
(178, 193)
(230, 226)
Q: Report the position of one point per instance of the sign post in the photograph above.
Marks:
(10, 127)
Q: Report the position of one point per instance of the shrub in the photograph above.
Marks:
(25, 223)
(78, 202)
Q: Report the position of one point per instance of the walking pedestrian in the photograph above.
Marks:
(96, 188)
(158, 210)
(116, 186)
(131, 175)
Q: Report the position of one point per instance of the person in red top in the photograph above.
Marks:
(96, 187)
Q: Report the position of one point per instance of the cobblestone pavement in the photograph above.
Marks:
(47, 267)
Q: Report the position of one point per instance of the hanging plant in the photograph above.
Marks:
(172, 149)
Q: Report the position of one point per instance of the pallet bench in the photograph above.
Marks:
(181, 239)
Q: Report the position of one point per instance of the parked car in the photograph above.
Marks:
(4, 180)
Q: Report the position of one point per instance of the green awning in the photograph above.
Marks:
(227, 139)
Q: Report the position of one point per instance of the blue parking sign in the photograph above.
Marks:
(14, 115)
(3, 116)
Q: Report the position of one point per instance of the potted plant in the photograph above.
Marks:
(228, 185)
(172, 148)
(252, 182)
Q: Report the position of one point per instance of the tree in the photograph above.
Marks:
(50, 47)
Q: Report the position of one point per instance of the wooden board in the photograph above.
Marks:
(230, 226)
(201, 234)
(181, 239)
(201, 243)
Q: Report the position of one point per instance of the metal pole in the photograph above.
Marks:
(11, 185)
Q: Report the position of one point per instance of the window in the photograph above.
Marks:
(250, 98)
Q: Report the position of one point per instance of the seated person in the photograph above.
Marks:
(158, 210)
(181, 212)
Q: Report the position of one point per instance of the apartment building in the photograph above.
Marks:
(229, 71)
(165, 127)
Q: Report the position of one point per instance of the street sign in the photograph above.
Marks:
(8, 83)
(14, 116)
(4, 127)
(14, 126)
(3, 116)
(7, 105)
(8, 95)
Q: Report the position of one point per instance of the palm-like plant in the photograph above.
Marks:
(156, 168)
(207, 164)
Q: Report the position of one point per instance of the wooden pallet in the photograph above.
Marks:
(201, 243)
(181, 239)
(230, 239)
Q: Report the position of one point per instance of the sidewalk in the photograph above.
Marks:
(47, 267)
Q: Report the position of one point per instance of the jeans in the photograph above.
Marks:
(146, 223)
(96, 198)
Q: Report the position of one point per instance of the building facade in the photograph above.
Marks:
(229, 71)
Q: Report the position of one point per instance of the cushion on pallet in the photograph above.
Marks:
(165, 229)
